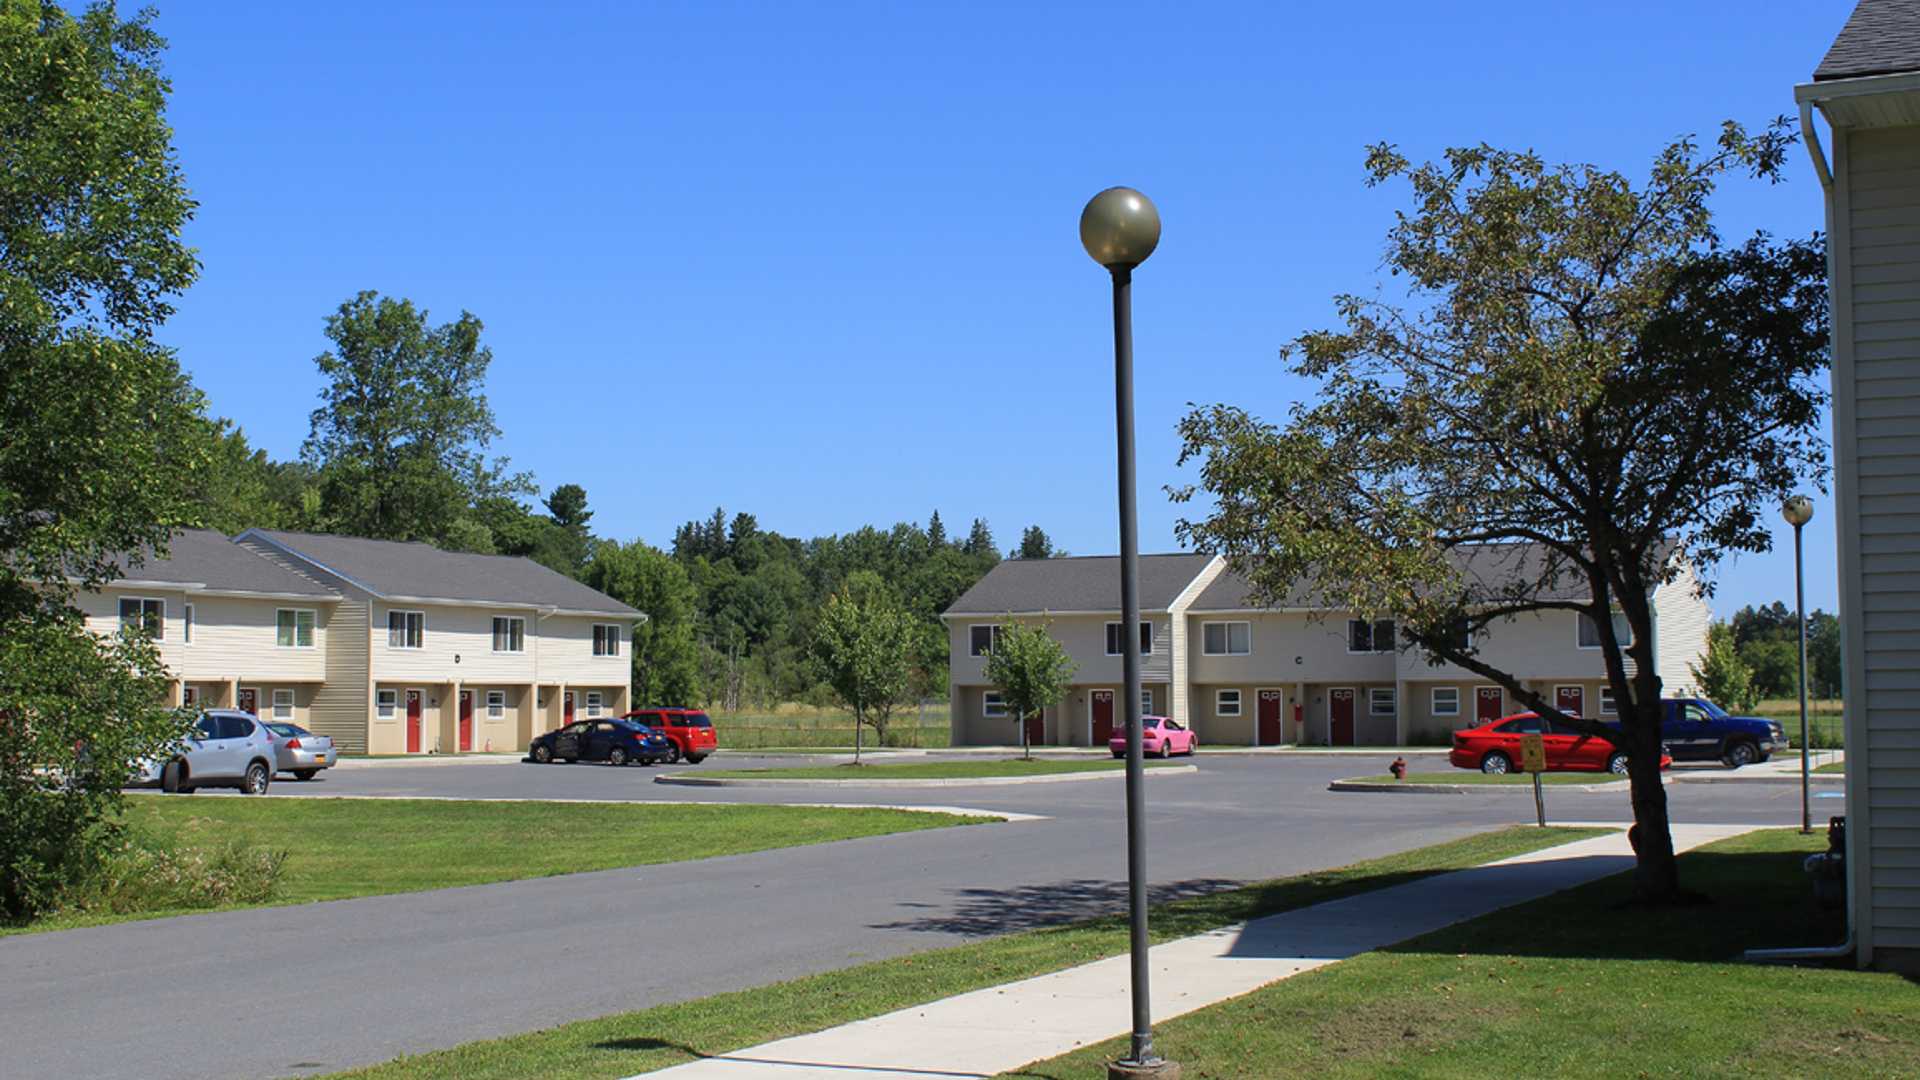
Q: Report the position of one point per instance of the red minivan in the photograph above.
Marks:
(689, 730)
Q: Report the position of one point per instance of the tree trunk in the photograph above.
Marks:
(1656, 879)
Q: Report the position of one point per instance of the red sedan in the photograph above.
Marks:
(1495, 747)
(1158, 736)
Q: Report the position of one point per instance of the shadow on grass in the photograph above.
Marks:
(982, 912)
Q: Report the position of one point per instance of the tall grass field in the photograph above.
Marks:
(806, 726)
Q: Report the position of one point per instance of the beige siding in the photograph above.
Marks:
(1286, 646)
(1084, 637)
(1680, 620)
(341, 707)
(1876, 375)
(1539, 643)
(233, 637)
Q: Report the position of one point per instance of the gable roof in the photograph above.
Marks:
(1076, 583)
(411, 570)
(202, 560)
(1881, 37)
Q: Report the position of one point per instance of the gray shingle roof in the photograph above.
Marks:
(205, 558)
(391, 568)
(1079, 583)
(1881, 37)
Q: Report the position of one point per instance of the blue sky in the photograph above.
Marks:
(819, 262)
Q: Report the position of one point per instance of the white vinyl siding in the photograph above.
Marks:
(1680, 620)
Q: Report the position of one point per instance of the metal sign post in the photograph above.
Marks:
(1533, 759)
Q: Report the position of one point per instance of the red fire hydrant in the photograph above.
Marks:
(1398, 768)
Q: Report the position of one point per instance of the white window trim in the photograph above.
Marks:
(496, 711)
(1393, 695)
(1145, 624)
(1227, 643)
(993, 705)
(1146, 701)
(511, 619)
(144, 601)
(388, 709)
(1435, 701)
(993, 635)
(1371, 625)
(1609, 706)
(1220, 703)
(275, 705)
(594, 704)
(391, 612)
(612, 633)
(313, 615)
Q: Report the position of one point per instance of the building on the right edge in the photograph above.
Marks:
(1868, 90)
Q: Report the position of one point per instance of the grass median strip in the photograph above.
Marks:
(928, 770)
(339, 848)
(1471, 776)
(670, 1034)
(1574, 984)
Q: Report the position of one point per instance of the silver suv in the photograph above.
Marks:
(226, 748)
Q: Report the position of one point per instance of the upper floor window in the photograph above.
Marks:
(981, 639)
(406, 629)
(606, 638)
(144, 615)
(1226, 638)
(186, 624)
(1365, 636)
(1590, 630)
(509, 634)
(1114, 636)
(293, 628)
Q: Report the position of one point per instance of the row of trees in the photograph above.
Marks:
(1756, 655)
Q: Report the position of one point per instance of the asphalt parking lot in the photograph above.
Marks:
(381, 976)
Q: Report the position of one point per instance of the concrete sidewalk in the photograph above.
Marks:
(990, 1031)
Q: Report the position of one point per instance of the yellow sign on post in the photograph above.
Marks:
(1533, 759)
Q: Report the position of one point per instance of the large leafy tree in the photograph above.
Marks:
(863, 643)
(1031, 670)
(103, 441)
(400, 437)
(666, 667)
(1582, 390)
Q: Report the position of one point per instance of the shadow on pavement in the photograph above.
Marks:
(983, 912)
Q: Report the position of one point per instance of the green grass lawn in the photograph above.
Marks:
(339, 848)
(671, 1034)
(929, 770)
(1575, 984)
(1475, 776)
(1831, 767)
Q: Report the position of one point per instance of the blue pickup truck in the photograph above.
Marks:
(1696, 729)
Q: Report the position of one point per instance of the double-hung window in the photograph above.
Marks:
(144, 615)
(1226, 638)
(1115, 636)
(1226, 703)
(1381, 701)
(186, 624)
(293, 628)
(1364, 636)
(593, 703)
(406, 629)
(1446, 701)
(606, 639)
(384, 702)
(496, 704)
(981, 638)
(283, 704)
(1590, 630)
(509, 634)
(993, 706)
(1609, 706)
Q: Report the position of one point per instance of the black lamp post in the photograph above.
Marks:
(1798, 510)
(1120, 228)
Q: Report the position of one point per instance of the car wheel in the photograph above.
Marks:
(1193, 747)
(256, 780)
(616, 756)
(1496, 764)
(1740, 753)
(171, 777)
(695, 759)
(1617, 764)
(1119, 753)
(673, 754)
(1166, 748)
(305, 774)
(542, 755)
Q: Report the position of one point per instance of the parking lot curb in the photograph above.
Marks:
(1764, 778)
(941, 781)
(1466, 789)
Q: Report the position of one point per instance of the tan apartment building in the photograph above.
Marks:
(391, 648)
(1240, 673)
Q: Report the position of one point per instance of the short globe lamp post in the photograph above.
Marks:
(1798, 510)
(1120, 228)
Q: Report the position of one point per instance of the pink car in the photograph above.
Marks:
(1158, 735)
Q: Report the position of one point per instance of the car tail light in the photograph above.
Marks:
(293, 743)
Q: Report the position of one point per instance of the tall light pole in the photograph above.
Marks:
(1120, 228)
(1798, 510)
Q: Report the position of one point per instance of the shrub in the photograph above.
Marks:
(143, 873)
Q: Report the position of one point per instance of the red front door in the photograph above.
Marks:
(1489, 704)
(1340, 716)
(1102, 717)
(413, 721)
(1268, 714)
(250, 701)
(1570, 700)
(566, 708)
(466, 720)
(1036, 729)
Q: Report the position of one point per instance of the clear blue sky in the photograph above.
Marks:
(819, 262)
